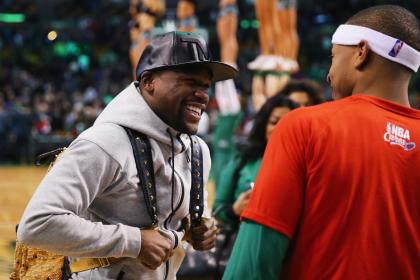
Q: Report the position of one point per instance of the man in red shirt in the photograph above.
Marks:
(338, 192)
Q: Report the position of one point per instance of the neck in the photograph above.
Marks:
(385, 82)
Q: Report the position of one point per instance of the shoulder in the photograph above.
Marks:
(111, 138)
(105, 134)
(205, 154)
(320, 111)
(203, 145)
(307, 118)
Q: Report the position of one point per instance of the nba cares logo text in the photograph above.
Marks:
(396, 135)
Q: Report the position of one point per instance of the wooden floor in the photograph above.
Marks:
(16, 187)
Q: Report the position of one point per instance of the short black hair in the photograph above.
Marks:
(312, 88)
(392, 20)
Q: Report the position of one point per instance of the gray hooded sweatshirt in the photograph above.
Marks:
(89, 204)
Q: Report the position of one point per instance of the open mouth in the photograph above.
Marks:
(194, 110)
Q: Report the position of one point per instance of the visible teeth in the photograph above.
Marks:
(195, 109)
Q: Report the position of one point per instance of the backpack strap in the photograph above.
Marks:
(144, 164)
(48, 157)
(197, 184)
(89, 263)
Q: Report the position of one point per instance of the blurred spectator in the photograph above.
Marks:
(237, 178)
(30, 108)
(45, 82)
(304, 92)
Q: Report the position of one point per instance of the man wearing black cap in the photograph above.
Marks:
(91, 207)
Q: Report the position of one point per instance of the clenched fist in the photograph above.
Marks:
(155, 248)
(203, 236)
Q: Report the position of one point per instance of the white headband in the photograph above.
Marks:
(381, 44)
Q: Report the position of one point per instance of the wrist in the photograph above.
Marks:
(233, 212)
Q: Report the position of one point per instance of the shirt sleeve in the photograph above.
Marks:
(52, 219)
(277, 198)
(258, 251)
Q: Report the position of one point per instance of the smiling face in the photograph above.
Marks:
(178, 96)
(342, 73)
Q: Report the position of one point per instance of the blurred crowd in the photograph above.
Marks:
(51, 90)
(33, 111)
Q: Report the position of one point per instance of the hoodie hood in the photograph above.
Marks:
(129, 109)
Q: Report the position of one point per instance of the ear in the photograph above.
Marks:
(147, 82)
(362, 54)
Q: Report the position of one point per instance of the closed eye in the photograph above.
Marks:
(195, 83)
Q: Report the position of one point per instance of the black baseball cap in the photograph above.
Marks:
(176, 48)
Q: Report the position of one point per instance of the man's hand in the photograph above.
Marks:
(155, 248)
(203, 236)
(241, 202)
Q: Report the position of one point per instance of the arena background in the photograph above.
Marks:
(55, 54)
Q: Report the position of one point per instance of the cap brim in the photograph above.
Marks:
(220, 71)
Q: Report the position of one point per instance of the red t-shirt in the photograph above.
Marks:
(342, 181)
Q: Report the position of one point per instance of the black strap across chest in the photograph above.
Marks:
(144, 164)
(197, 188)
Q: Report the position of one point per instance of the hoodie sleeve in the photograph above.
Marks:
(52, 221)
